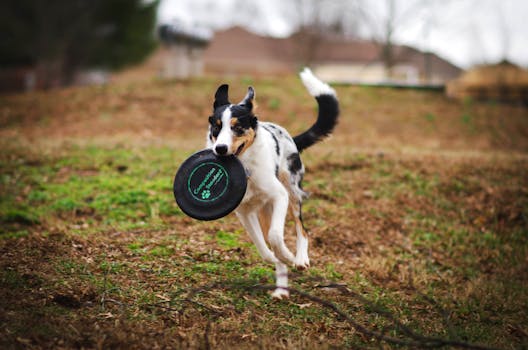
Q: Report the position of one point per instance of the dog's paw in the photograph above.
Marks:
(302, 262)
(280, 293)
(302, 267)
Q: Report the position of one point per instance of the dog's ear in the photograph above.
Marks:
(248, 100)
(221, 96)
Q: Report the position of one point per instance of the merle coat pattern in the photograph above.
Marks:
(275, 171)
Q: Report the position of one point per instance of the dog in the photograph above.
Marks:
(274, 168)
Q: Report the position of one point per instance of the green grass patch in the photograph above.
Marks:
(228, 240)
(22, 215)
(107, 186)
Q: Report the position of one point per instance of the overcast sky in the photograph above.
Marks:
(466, 32)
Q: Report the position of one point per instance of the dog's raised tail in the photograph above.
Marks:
(327, 114)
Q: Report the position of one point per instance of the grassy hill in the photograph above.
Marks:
(418, 218)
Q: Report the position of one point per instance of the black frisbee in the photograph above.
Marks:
(208, 187)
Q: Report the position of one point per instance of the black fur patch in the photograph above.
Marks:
(325, 123)
(277, 147)
(246, 118)
(299, 184)
(277, 130)
(215, 122)
(238, 111)
(294, 163)
(301, 217)
(221, 96)
(247, 121)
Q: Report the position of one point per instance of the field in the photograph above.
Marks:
(418, 218)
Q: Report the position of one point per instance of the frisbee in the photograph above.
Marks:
(208, 187)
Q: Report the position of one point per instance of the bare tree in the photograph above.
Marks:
(316, 20)
(383, 22)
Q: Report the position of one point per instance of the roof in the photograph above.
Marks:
(237, 50)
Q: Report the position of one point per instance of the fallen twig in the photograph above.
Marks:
(414, 339)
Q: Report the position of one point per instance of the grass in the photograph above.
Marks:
(93, 191)
(431, 229)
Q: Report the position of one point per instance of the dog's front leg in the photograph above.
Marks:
(278, 220)
(250, 222)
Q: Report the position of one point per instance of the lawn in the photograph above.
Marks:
(418, 216)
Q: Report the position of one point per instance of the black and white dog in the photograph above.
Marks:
(275, 171)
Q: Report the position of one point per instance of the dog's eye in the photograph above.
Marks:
(216, 125)
(215, 129)
(237, 129)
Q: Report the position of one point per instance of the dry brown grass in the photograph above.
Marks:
(418, 204)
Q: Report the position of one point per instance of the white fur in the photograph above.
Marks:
(315, 86)
(266, 192)
(264, 188)
(226, 136)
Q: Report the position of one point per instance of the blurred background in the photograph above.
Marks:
(419, 201)
(475, 48)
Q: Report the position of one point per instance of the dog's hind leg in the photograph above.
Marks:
(265, 218)
(302, 261)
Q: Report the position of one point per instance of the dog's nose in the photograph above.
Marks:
(221, 149)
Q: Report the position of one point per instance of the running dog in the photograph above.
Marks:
(274, 169)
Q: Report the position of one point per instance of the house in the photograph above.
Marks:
(236, 51)
(337, 59)
(180, 55)
(183, 45)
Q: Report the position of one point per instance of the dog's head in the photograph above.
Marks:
(232, 126)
